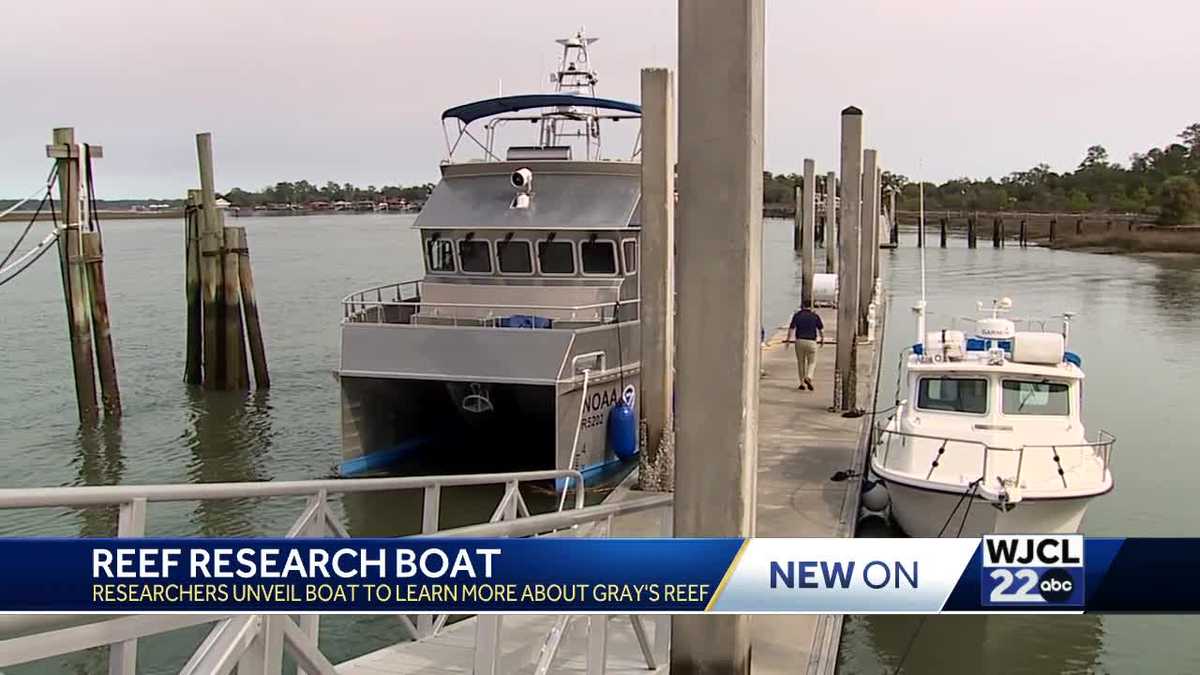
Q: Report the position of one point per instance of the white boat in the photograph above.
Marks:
(987, 435)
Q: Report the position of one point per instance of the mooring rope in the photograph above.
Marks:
(45, 192)
(971, 490)
(575, 443)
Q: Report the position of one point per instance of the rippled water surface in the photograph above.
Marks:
(1136, 329)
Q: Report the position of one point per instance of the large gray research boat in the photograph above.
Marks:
(519, 348)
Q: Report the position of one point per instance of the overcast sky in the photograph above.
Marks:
(351, 90)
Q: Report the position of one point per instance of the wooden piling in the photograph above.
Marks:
(106, 362)
(1023, 235)
(254, 337)
(211, 244)
(995, 233)
(943, 233)
(971, 240)
(237, 375)
(66, 153)
(1053, 225)
(192, 216)
(1078, 226)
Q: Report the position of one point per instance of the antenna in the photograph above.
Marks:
(919, 308)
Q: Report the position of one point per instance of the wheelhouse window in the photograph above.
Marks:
(1030, 397)
(598, 257)
(629, 252)
(556, 257)
(439, 253)
(953, 394)
(514, 257)
(475, 256)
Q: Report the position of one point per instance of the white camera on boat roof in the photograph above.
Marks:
(522, 179)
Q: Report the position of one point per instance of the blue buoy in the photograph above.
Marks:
(623, 430)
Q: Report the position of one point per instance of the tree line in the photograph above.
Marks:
(1162, 183)
(303, 192)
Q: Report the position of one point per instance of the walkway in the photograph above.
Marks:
(800, 446)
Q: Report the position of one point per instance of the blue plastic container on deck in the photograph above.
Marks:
(622, 430)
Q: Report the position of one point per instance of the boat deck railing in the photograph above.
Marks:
(257, 643)
(990, 454)
(399, 303)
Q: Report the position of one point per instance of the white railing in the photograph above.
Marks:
(397, 303)
(255, 642)
(1102, 449)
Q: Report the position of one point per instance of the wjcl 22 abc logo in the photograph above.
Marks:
(1034, 571)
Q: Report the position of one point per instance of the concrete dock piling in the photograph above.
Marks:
(844, 396)
(657, 275)
(831, 227)
(806, 205)
(720, 87)
(868, 235)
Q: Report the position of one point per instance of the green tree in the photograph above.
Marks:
(1179, 201)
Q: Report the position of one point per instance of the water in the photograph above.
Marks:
(1134, 331)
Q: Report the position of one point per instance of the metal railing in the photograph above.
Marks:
(1101, 448)
(397, 303)
(257, 642)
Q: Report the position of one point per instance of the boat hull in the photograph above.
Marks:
(924, 512)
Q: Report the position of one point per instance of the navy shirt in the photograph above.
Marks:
(805, 324)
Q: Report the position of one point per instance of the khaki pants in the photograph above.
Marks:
(806, 359)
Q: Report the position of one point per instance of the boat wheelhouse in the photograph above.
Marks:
(519, 347)
(988, 434)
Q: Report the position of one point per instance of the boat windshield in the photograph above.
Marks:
(953, 394)
(1029, 397)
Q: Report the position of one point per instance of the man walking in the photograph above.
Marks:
(806, 331)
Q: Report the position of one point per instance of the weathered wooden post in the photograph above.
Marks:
(720, 186)
(657, 275)
(831, 226)
(943, 233)
(1078, 226)
(70, 251)
(806, 204)
(845, 377)
(254, 337)
(893, 220)
(971, 240)
(1053, 226)
(192, 217)
(212, 243)
(995, 233)
(106, 362)
(236, 372)
(1023, 234)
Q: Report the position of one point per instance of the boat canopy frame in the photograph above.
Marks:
(555, 107)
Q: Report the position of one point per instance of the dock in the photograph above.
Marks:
(801, 445)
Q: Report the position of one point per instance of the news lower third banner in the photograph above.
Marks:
(1000, 573)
